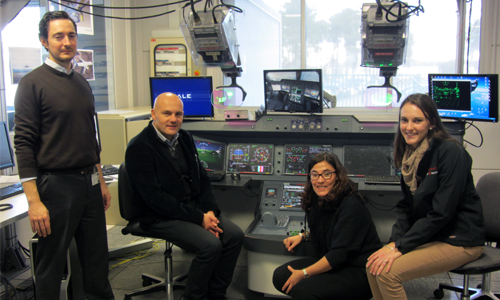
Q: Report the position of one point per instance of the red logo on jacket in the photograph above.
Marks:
(432, 171)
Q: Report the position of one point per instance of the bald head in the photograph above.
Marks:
(167, 114)
(167, 97)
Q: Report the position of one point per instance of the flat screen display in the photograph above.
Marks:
(6, 153)
(292, 199)
(465, 96)
(250, 158)
(368, 160)
(195, 92)
(212, 155)
(297, 157)
(292, 91)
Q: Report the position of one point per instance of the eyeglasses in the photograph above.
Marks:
(326, 175)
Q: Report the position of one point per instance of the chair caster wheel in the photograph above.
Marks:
(146, 282)
(438, 294)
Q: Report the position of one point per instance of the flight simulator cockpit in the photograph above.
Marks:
(293, 91)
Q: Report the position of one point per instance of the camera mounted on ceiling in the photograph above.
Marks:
(211, 35)
(384, 34)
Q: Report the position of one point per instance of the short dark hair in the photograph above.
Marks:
(43, 26)
(429, 109)
(342, 188)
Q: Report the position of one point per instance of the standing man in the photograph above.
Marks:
(59, 164)
(167, 177)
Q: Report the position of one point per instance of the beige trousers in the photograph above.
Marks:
(428, 259)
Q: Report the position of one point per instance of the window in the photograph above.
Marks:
(333, 44)
(21, 36)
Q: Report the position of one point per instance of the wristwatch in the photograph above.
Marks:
(305, 273)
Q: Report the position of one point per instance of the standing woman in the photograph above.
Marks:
(343, 231)
(440, 224)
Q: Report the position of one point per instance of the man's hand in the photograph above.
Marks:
(210, 223)
(106, 195)
(39, 218)
(37, 212)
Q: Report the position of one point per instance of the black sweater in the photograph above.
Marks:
(345, 235)
(54, 122)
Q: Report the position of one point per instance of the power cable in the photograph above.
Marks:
(113, 17)
(401, 5)
(480, 134)
(138, 255)
(235, 8)
(121, 7)
(379, 206)
(7, 284)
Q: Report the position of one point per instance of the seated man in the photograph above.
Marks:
(166, 175)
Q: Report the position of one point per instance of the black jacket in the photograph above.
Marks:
(445, 207)
(156, 180)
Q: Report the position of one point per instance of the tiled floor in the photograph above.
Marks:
(126, 276)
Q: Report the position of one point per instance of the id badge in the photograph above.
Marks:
(95, 178)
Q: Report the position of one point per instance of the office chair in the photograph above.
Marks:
(129, 210)
(488, 188)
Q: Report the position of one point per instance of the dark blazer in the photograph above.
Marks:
(156, 180)
(445, 207)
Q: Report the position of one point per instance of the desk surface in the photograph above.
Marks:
(17, 212)
(20, 204)
(227, 183)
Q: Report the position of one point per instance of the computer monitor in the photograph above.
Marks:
(6, 152)
(211, 154)
(465, 96)
(369, 160)
(250, 158)
(292, 91)
(297, 157)
(195, 92)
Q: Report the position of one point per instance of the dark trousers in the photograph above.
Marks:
(341, 283)
(213, 266)
(76, 210)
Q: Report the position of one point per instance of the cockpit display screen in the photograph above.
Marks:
(250, 158)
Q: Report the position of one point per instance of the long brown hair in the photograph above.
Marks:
(342, 187)
(429, 109)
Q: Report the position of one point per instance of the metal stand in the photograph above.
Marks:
(13, 257)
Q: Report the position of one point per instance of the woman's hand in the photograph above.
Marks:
(297, 275)
(383, 258)
(292, 242)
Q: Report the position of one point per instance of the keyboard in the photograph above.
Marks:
(216, 175)
(11, 190)
(382, 179)
(109, 170)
